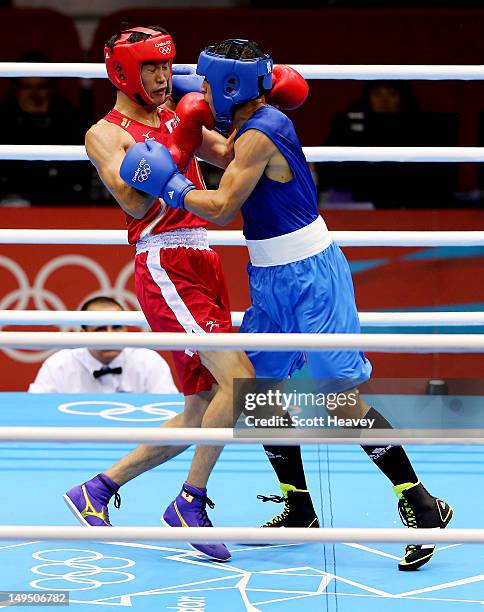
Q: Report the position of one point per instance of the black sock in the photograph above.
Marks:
(391, 460)
(287, 464)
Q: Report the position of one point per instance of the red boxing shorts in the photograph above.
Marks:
(184, 290)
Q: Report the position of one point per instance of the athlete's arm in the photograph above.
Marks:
(216, 149)
(106, 146)
(253, 151)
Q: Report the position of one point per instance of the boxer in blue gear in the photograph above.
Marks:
(300, 280)
(234, 81)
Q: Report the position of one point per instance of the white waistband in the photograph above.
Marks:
(188, 237)
(287, 248)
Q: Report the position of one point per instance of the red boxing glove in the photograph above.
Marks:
(194, 114)
(289, 89)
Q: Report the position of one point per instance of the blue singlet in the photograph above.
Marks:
(300, 280)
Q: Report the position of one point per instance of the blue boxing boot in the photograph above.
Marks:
(89, 502)
(189, 510)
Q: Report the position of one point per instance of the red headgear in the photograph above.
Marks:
(124, 61)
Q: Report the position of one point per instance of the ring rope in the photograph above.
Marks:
(136, 317)
(409, 238)
(255, 535)
(313, 154)
(183, 436)
(309, 71)
(386, 343)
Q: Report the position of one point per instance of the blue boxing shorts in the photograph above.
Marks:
(312, 295)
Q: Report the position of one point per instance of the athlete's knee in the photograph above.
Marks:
(221, 412)
(244, 368)
(227, 366)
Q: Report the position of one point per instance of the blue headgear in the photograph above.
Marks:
(233, 81)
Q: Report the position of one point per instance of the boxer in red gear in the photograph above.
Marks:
(179, 281)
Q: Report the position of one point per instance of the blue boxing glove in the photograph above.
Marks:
(184, 80)
(149, 167)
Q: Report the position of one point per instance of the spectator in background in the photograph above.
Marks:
(388, 115)
(35, 113)
(83, 370)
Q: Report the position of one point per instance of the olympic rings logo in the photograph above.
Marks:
(143, 173)
(89, 570)
(44, 299)
(164, 47)
(119, 411)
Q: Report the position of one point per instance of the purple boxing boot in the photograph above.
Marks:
(189, 510)
(89, 502)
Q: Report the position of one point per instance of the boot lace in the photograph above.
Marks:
(407, 514)
(280, 518)
(202, 515)
(409, 519)
(117, 496)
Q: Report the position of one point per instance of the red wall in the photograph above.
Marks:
(394, 282)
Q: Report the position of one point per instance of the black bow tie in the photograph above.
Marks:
(106, 370)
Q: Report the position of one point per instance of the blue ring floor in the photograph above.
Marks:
(347, 489)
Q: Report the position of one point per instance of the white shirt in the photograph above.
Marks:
(71, 371)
